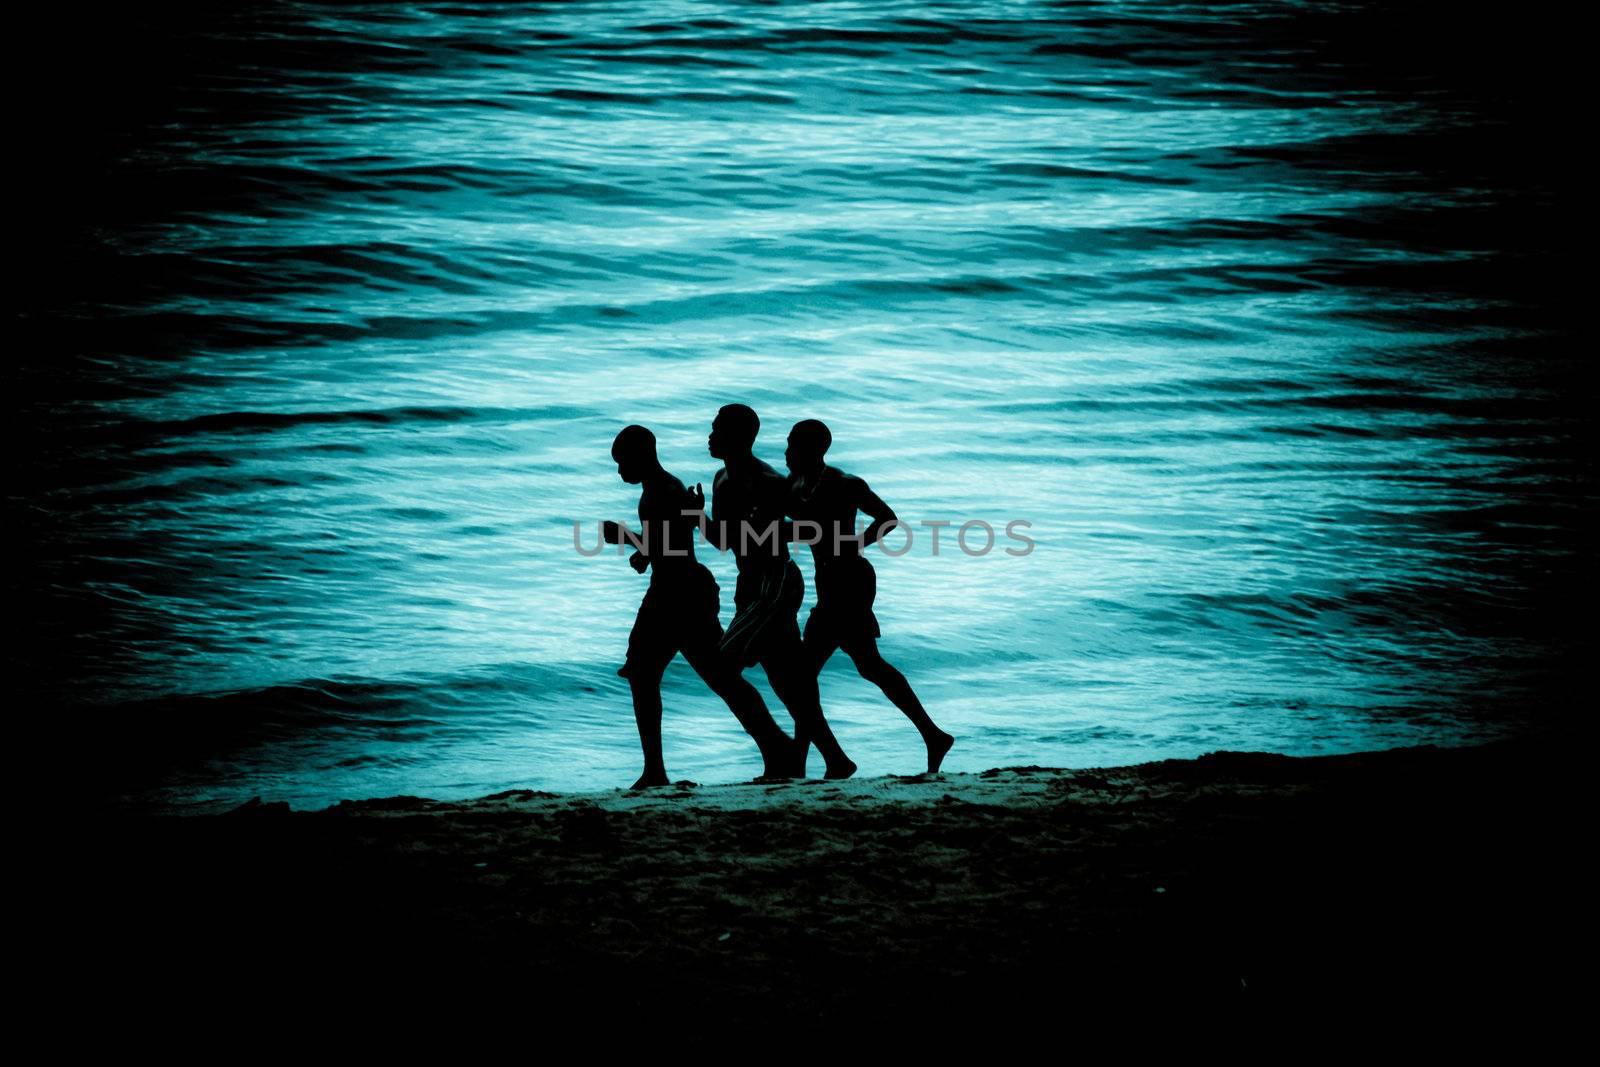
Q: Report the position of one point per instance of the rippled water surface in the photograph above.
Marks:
(1254, 311)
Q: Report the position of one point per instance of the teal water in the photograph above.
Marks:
(1257, 313)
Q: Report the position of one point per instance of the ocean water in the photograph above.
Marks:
(1259, 314)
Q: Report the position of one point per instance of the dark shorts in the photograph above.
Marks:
(846, 588)
(678, 614)
(766, 602)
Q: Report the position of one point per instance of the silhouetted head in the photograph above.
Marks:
(733, 432)
(808, 443)
(635, 453)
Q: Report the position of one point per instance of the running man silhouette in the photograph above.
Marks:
(679, 614)
(747, 502)
(845, 581)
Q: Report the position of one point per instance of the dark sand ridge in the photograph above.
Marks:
(1394, 877)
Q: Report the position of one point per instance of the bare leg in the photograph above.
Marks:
(780, 756)
(875, 669)
(796, 685)
(818, 650)
(645, 682)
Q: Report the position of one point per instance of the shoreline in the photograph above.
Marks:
(1407, 873)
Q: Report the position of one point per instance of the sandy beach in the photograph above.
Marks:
(1399, 877)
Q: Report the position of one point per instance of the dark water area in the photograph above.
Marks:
(1265, 317)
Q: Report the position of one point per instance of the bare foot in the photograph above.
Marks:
(840, 772)
(936, 750)
(792, 763)
(784, 761)
(650, 779)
